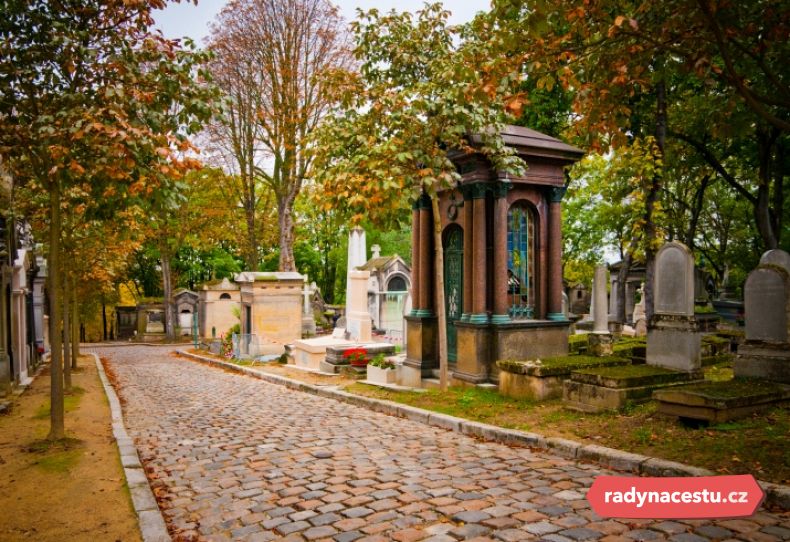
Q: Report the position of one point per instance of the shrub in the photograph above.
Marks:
(381, 362)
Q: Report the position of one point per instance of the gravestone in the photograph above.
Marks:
(766, 351)
(776, 257)
(674, 280)
(673, 336)
(600, 341)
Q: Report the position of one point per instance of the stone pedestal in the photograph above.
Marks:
(600, 344)
(674, 342)
(474, 345)
(421, 355)
(771, 362)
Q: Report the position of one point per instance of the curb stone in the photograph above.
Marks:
(775, 494)
(149, 517)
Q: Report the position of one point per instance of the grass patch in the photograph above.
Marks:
(71, 401)
(756, 445)
(56, 456)
(741, 387)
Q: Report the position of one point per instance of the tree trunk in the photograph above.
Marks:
(286, 222)
(651, 236)
(622, 276)
(57, 428)
(167, 286)
(251, 256)
(104, 319)
(440, 309)
(762, 209)
(696, 210)
(75, 325)
(66, 338)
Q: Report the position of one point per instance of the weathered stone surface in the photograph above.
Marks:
(600, 311)
(766, 304)
(778, 257)
(674, 280)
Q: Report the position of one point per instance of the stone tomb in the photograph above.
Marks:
(502, 243)
(674, 344)
(186, 305)
(219, 308)
(271, 305)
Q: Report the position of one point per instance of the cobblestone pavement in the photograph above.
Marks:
(236, 458)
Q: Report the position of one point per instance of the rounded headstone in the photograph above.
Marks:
(766, 305)
(674, 280)
(778, 257)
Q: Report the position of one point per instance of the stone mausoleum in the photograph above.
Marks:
(502, 243)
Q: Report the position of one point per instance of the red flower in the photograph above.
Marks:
(356, 356)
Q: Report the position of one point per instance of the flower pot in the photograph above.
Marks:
(377, 375)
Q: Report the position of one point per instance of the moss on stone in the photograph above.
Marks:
(737, 387)
(557, 365)
(628, 371)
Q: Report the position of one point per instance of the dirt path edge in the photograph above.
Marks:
(152, 524)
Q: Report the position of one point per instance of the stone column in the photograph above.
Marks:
(479, 279)
(468, 262)
(357, 316)
(600, 340)
(426, 234)
(415, 259)
(555, 255)
(500, 315)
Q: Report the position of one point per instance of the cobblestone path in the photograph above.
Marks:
(237, 458)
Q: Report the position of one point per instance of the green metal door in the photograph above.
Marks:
(453, 287)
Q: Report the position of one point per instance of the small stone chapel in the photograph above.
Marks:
(502, 242)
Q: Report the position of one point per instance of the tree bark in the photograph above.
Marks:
(441, 314)
(622, 276)
(57, 428)
(651, 235)
(696, 210)
(66, 338)
(167, 286)
(75, 325)
(104, 319)
(251, 256)
(286, 222)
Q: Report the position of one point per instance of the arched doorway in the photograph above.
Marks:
(453, 286)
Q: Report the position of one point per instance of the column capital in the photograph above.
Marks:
(478, 190)
(501, 188)
(556, 193)
(423, 202)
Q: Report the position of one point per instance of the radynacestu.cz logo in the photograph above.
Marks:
(675, 498)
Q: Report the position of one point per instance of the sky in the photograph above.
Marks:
(185, 19)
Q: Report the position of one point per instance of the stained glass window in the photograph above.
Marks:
(521, 261)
